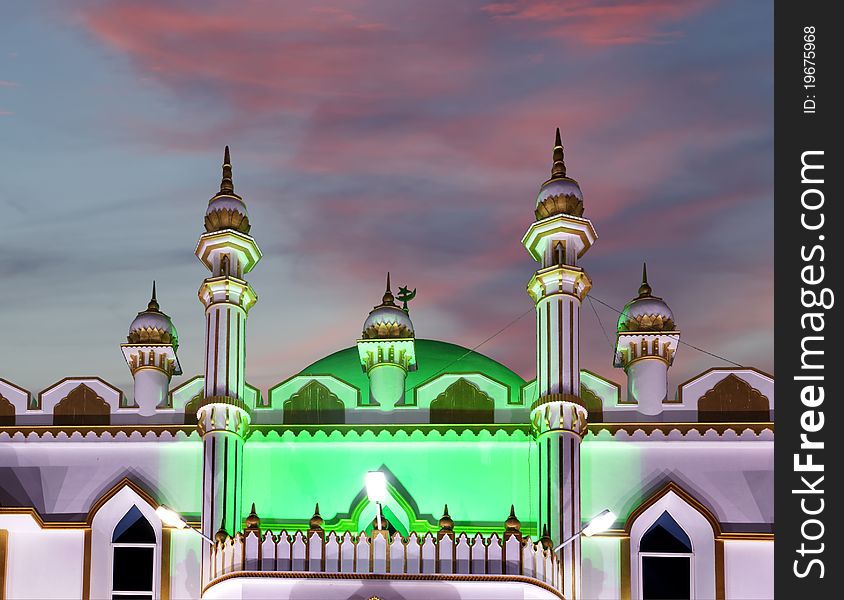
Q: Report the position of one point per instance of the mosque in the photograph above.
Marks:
(399, 467)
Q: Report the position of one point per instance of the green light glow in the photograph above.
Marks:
(477, 479)
(433, 358)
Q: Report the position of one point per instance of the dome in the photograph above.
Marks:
(646, 312)
(227, 210)
(388, 320)
(433, 358)
(153, 326)
(560, 194)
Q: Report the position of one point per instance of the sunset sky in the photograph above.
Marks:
(369, 136)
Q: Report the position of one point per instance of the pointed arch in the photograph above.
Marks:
(192, 406)
(7, 412)
(82, 406)
(699, 529)
(594, 404)
(314, 404)
(126, 503)
(462, 402)
(733, 400)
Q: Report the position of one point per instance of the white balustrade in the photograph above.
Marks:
(318, 552)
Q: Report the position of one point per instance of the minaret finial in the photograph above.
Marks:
(153, 303)
(558, 169)
(227, 184)
(388, 295)
(645, 288)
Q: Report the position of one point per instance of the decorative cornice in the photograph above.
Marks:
(98, 432)
(386, 577)
(465, 432)
(683, 429)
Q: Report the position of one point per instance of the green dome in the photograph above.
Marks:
(433, 358)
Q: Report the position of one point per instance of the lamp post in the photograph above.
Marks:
(598, 523)
(173, 519)
(376, 491)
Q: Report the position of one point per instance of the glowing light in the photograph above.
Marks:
(376, 486)
(170, 517)
(600, 523)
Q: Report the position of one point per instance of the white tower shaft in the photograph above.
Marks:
(223, 417)
(556, 240)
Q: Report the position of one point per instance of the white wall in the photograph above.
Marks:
(42, 563)
(734, 479)
(65, 478)
(600, 568)
(749, 570)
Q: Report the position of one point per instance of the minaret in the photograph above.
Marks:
(387, 350)
(646, 342)
(556, 240)
(223, 418)
(151, 356)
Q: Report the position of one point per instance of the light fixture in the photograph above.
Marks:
(170, 517)
(173, 519)
(376, 491)
(376, 486)
(600, 522)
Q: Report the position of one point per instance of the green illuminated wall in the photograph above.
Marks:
(477, 475)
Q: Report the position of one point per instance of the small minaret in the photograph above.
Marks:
(557, 239)
(223, 417)
(646, 342)
(151, 356)
(387, 351)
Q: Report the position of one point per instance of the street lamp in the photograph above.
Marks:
(173, 519)
(600, 522)
(376, 491)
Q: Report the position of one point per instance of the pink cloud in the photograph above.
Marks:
(610, 23)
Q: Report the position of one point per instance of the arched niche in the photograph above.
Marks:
(314, 404)
(672, 512)
(733, 400)
(462, 402)
(593, 403)
(7, 412)
(82, 406)
(124, 517)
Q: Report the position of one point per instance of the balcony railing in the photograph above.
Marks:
(446, 554)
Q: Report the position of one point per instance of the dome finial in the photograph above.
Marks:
(153, 303)
(388, 295)
(558, 169)
(227, 184)
(645, 288)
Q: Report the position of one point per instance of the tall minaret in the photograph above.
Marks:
(557, 239)
(646, 342)
(387, 350)
(151, 356)
(223, 418)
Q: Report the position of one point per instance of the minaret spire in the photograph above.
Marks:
(388, 295)
(153, 303)
(558, 169)
(227, 184)
(645, 288)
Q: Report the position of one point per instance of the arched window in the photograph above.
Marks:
(665, 555)
(133, 565)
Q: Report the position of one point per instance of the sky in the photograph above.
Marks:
(377, 135)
